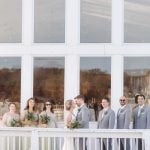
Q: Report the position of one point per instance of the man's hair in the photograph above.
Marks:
(140, 95)
(107, 99)
(80, 97)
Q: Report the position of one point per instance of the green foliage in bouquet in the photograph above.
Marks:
(44, 119)
(75, 125)
(14, 122)
(30, 116)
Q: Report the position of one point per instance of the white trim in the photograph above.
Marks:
(27, 22)
(26, 79)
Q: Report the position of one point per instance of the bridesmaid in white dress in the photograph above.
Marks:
(68, 141)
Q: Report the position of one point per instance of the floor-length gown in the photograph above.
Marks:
(26, 141)
(68, 141)
(48, 142)
(13, 141)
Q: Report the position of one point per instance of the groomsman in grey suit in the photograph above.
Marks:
(123, 120)
(141, 117)
(106, 120)
(83, 118)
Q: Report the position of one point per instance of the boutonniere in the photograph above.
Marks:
(142, 110)
(105, 113)
(79, 110)
(122, 110)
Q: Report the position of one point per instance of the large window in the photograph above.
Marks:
(136, 77)
(10, 21)
(10, 77)
(49, 82)
(95, 21)
(95, 81)
(137, 22)
(49, 21)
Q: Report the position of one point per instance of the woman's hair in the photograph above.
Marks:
(51, 109)
(11, 104)
(27, 104)
(68, 104)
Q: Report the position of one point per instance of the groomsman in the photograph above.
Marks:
(141, 117)
(83, 117)
(106, 120)
(123, 120)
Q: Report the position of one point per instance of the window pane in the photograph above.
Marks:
(10, 80)
(95, 81)
(137, 22)
(49, 83)
(95, 21)
(136, 77)
(10, 21)
(49, 21)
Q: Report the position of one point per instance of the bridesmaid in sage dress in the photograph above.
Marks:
(47, 119)
(29, 118)
(11, 119)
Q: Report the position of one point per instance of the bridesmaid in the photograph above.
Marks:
(29, 117)
(47, 119)
(11, 118)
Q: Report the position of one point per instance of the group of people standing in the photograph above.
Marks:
(30, 117)
(140, 115)
(76, 110)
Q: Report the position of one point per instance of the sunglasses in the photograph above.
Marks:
(47, 104)
(122, 100)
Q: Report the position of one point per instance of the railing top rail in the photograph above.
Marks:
(60, 132)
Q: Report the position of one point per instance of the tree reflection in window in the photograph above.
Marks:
(95, 81)
(49, 83)
(10, 80)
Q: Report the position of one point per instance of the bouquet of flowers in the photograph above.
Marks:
(30, 116)
(14, 122)
(74, 124)
(44, 118)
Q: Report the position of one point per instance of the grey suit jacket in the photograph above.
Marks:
(83, 116)
(106, 120)
(143, 120)
(123, 118)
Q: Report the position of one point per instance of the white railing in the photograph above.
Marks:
(53, 139)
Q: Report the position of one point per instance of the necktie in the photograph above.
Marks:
(139, 111)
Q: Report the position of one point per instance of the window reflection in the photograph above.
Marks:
(95, 21)
(136, 77)
(49, 21)
(137, 22)
(10, 21)
(49, 83)
(95, 82)
(10, 80)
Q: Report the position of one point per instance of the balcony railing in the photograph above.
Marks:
(53, 139)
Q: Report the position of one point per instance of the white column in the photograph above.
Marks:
(117, 22)
(26, 79)
(27, 21)
(72, 22)
(71, 76)
(116, 81)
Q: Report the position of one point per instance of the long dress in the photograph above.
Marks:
(26, 141)
(47, 143)
(68, 141)
(9, 122)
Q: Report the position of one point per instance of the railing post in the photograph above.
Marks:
(146, 137)
(34, 140)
